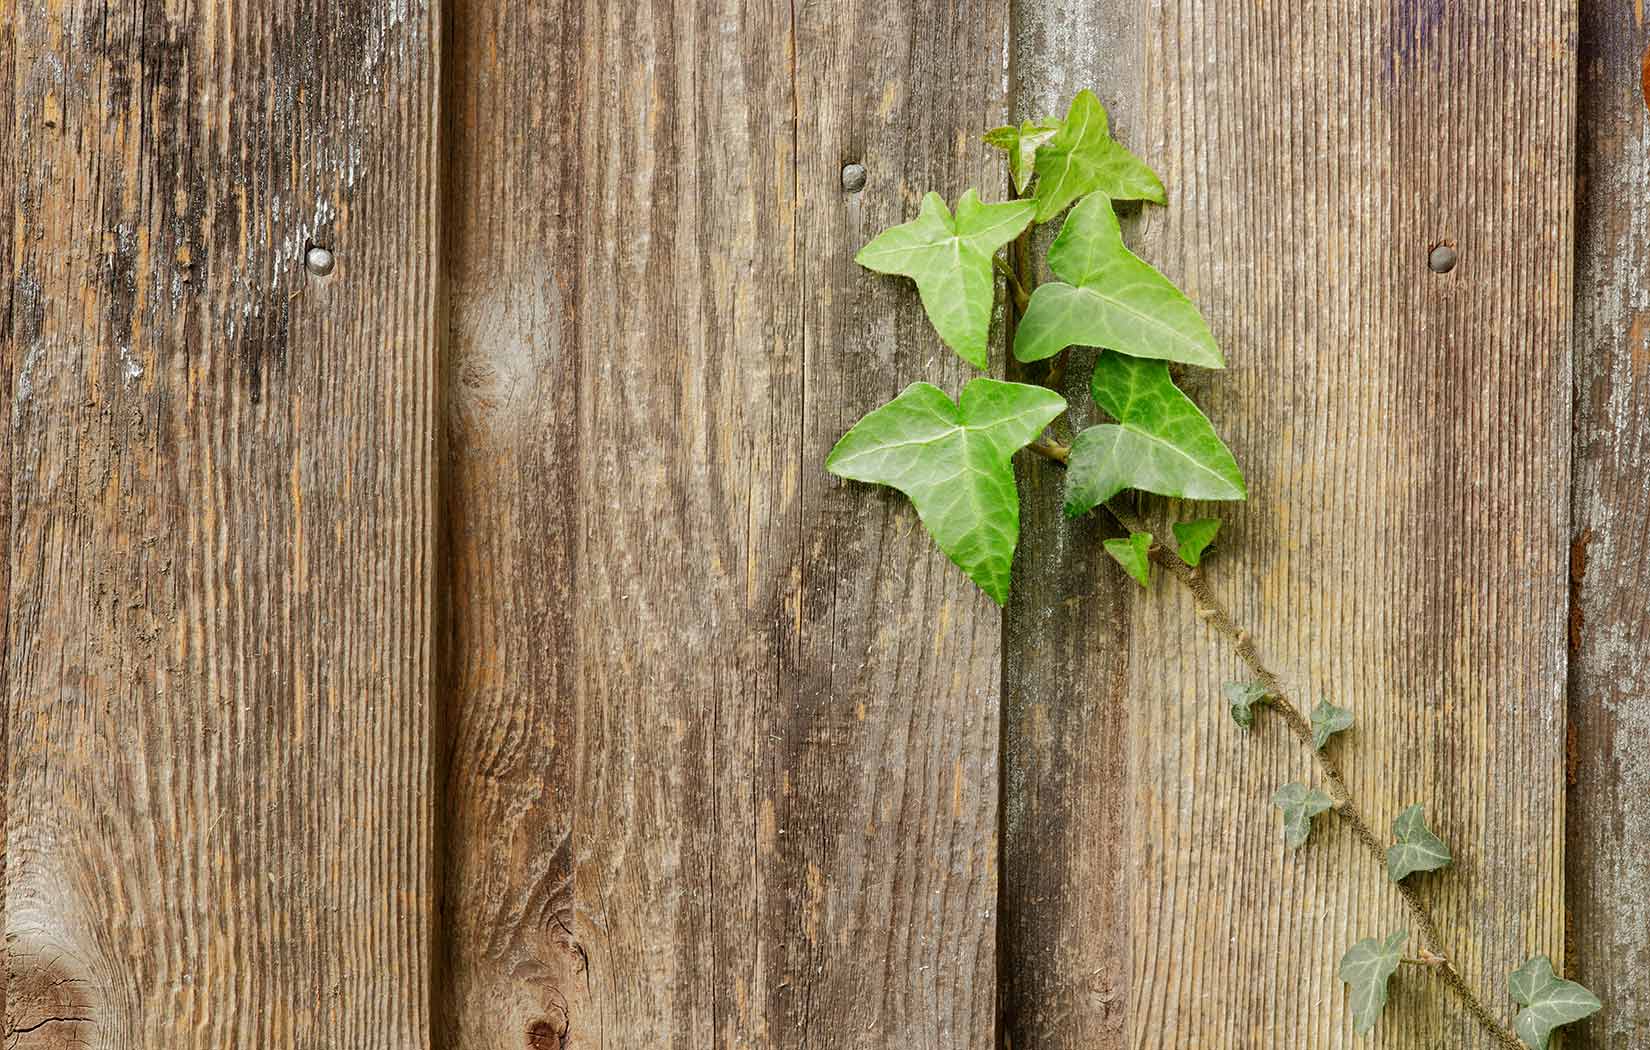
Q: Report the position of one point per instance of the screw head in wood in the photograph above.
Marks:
(1443, 258)
(853, 177)
(319, 260)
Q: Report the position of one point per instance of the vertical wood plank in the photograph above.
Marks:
(218, 647)
(787, 715)
(512, 968)
(1609, 799)
(1406, 439)
(882, 763)
(1064, 933)
(8, 231)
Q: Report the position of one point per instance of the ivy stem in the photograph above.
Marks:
(1210, 610)
(1056, 380)
(1051, 450)
(1022, 298)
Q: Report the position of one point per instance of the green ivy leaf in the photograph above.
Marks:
(1418, 849)
(1161, 442)
(1327, 720)
(1367, 966)
(1548, 1000)
(1020, 143)
(1192, 538)
(950, 259)
(1132, 554)
(1300, 804)
(953, 461)
(1241, 697)
(1083, 158)
(1112, 298)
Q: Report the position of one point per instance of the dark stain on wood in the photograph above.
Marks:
(1412, 31)
(1578, 574)
(1644, 76)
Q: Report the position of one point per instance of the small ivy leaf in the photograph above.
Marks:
(1161, 442)
(950, 259)
(1418, 849)
(1327, 720)
(1082, 158)
(1300, 804)
(953, 461)
(1549, 1001)
(1193, 538)
(1132, 554)
(1020, 143)
(1241, 697)
(1112, 298)
(1366, 967)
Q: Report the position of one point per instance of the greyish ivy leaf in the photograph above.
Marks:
(1366, 967)
(1132, 554)
(1300, 804)
(1417, 849)
(1020, 143)
(1161, 442)
(1241, 697)
(1192, 538)
(952, 459)
(1111, 298)
(1549, 1001)
(950, 259)
(1082, 158)
(1327, 720)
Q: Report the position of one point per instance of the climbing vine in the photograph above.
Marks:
(953, 459)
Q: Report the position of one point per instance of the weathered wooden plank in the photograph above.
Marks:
(786, 805)
(512, 969)
(218, 648)
(1064, 930)
(1406, 437)
(1608, 855)
(8, 230)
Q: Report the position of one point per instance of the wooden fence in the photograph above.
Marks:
(466, 648)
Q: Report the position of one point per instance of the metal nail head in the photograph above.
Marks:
(1442, 259)
(319, 260)
(853, 177)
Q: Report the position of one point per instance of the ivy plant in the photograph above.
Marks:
(954, 460)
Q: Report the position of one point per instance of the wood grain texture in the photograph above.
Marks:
(8, 230)
(511, 967)
(1406, 438)
(1609, 800)
(787, 714)
(221, 501)
(1064, 931)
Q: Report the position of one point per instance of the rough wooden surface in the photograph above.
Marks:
(217, 655)
(1406, 438)
(511, 966)
(785, 700)
(8, 229)
(721, 734)
(1064, 931)
(1609, 800)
